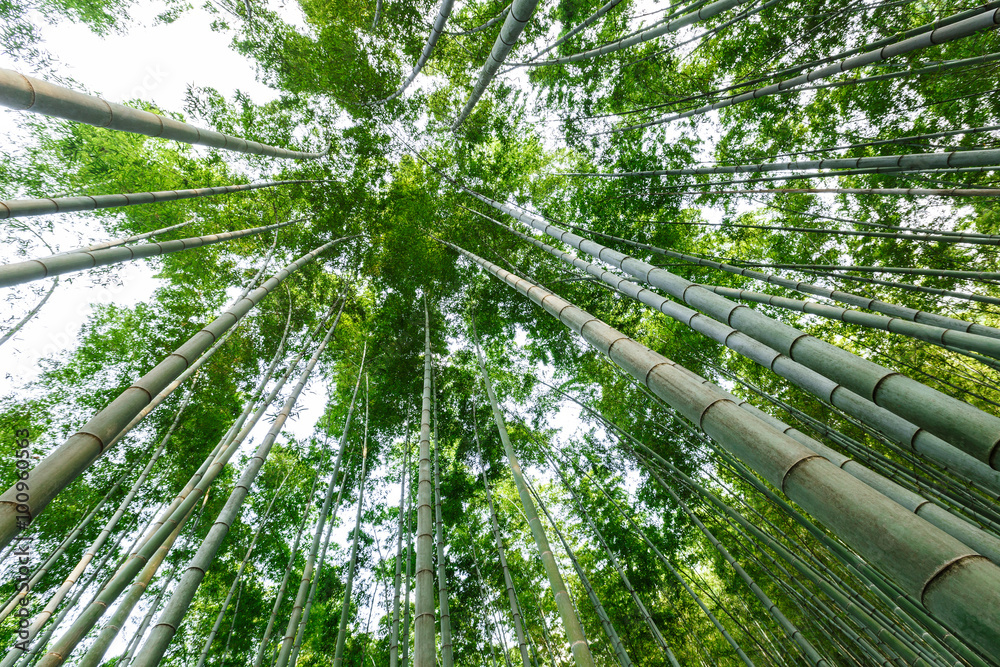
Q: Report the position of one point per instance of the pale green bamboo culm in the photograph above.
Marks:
(954, 583)
(45, 267)
(571, 622)
(25, 93)
(338, 656)
(424, 649)
(113, 243)
(56, 471)
(394, 634)
(442, 17)
(20, 208)
(166, 627)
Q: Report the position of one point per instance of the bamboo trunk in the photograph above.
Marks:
(424, 650)
(571, 623)
(114, 243)
(394, 633)
(444, 11)
(57, 470)
(25, 93)
(447, 656)
(19, 208)
(926, 563)
(46, 267)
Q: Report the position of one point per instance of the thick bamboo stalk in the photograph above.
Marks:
(147, 618)
(890, 309)
(45, 267)
(909, 161)
(338, 656)
(280, 596)
(31, 313)
(701, 14)
(447, 655)
(19, 208)
(239, 573)
(57, 470)
(394, 633)
(924, 332)
(602, 615)
(515, 607)
(895, 427)
(160, 636)
(25, 93)
(288, 640)
(967, 428)
(424, 649)
(444, 11)
(925, 562)
(571, 623)
(983, 21)
(513, 26)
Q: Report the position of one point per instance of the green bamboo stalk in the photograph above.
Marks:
(898, 429)
(405, 639)
(483, 26)
(159, 637)
(232, 627)
(489, 617)
(447, 655)
(31, 313)
(444, 11)
(515, 608)
(513, 26)
(113, 243)
(46, 267)
(147, 618)
(914, 554)
(291, 629)
(424, 649)
(910, 192)
(601, 11)
(394, 633)
(890, 309)
(980, 22)
(602, 615)
(57, 470)
(967, 428)
(571, 623)
(702, 14)
(19, 208)
(941, 273)
(280, 596)
(338, 656)
(25, 93)
(239, 573)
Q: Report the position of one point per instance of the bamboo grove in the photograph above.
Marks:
(544, 334)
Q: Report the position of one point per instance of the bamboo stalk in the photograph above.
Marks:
(113, 243)
(394, 633)
(447, 655)
(36, 269)
(571, 623)
(19, 208)
(57, 470)
(444, 11)
(25, 93)
(923, 561)
(424, 649)
(31, 313)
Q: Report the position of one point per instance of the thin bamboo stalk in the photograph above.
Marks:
(57, 470)
(964, 426)
(291, 629)
(113, 243)
(447, 655)
(424, 649)
(25, 93)
(601, 11)
(571, 623)
(912, 192)
(923, 561)
(46, 267)
(602, 615)
(338, 656)
(444, 11)
(147, 618)
(237, 579)
(904, 270)
(159, 637)
(19, 208)
(394, 633)
(280, 596)
(407, 580)
(513, 26)
(483, 26)
(31, 313)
